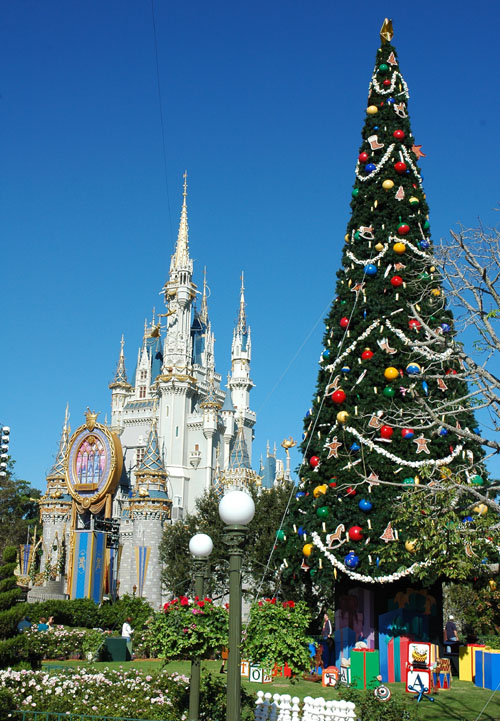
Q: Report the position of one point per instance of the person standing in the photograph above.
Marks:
(450, 633)
(327, 640)
(127, 629)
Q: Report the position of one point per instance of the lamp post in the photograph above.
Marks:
(236, 510)
(4, 449)
(200, 547)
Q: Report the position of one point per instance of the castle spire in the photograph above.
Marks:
(181, 256)
(152, 463)
(203, 315)
(241, 326)
(120, 379)
(57, 472)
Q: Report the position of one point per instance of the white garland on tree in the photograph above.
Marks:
(411, 164)
(352, 257)
(353, 345)
(423, 350)
(390, 88)
(361, 576)
(412, 464)
(382, 161)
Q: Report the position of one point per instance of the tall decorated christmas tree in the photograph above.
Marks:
(383, 497)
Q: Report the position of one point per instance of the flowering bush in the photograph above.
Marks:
(132, 694)
(276, 634)
(187, 629)
(63, 643)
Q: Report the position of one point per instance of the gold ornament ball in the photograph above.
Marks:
(379, 247)
(492, 584)
(410, 546)
(372, 110)
(435, 292)
(416, 480)
(432, 269)
(307, 549)
(481, 509)
(346, 237)
(320, 490)
(399, 248)
(413, 200)
(342, 416)
(388, 184)
(391, 373)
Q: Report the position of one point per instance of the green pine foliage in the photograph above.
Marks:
(13, 648)
(363, 468)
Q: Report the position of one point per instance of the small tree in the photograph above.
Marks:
(13, 648)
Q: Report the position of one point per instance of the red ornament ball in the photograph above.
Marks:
(396, 281)
(407, 433)
(398, 134)
(414, 324)
(363, 157)
(332, 482)
(355, 533)
(313, 461)
(386, 431)
(351, 491)
(403, 229)
(451, 372)
(386, 82)
(400, 168)
(344, 322)
(338, 396)
(367, 354)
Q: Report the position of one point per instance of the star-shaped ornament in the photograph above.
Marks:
(358, 287)
(422, 445)
(373, 479)
(417, 151)
(333, 448)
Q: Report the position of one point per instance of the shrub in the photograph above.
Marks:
(213, 697)
(276, 634)
(112, 615)
(188, 629)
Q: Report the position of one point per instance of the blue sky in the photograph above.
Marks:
(263, 103)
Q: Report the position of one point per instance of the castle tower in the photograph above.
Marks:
(240, 383)
(120, 391)
(149, 508)
(55, 510)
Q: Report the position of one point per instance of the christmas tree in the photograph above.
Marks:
(380, 496)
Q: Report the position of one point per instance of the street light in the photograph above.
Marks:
(4, 449)
(200, 547)
(236, 510)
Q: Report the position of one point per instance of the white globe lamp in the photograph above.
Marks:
(237, 508)
(201, 545)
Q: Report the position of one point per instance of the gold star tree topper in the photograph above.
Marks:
(386, 31)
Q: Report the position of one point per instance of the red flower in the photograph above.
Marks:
(260, 603)
(208, 600)
(184, 601)
(226, 605)
(196, 598)
(200, 604)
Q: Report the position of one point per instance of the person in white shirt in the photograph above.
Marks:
(127, 630)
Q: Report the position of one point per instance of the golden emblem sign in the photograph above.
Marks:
(94, 462)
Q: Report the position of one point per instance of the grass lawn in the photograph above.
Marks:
(463, 702)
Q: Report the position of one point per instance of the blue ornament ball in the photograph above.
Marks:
(301, 531)
(425, 244)
(445, 327)
(443, 431)
(326, 354)
(365, 506)
(467, 519)
(391, 101)
(299, 494)
(309, 412)
(345, 369)
(413, 369)
(370, 269)
(355, 448)
(351, 560)
(370, 167)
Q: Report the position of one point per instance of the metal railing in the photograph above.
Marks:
(28, 715)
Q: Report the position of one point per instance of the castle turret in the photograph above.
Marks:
(120, 391)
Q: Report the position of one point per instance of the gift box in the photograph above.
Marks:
(345, 638)
(365, 667)
(466, 661)
(441, 674)
(487, 668)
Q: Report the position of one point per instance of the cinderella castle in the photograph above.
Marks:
(174, 434)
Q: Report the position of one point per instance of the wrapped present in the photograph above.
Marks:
(487, 668)
(365, 667)
(441, 674)
(345, 638)
(466, 661)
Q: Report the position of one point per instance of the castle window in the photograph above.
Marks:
(143, 375)
(139, 456)
(142, 391)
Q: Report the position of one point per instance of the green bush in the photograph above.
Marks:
(16, 649)
(277, 634)
(213, 695)
(6, 703)
(492, 641)
(11, 617)
(112, 615)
